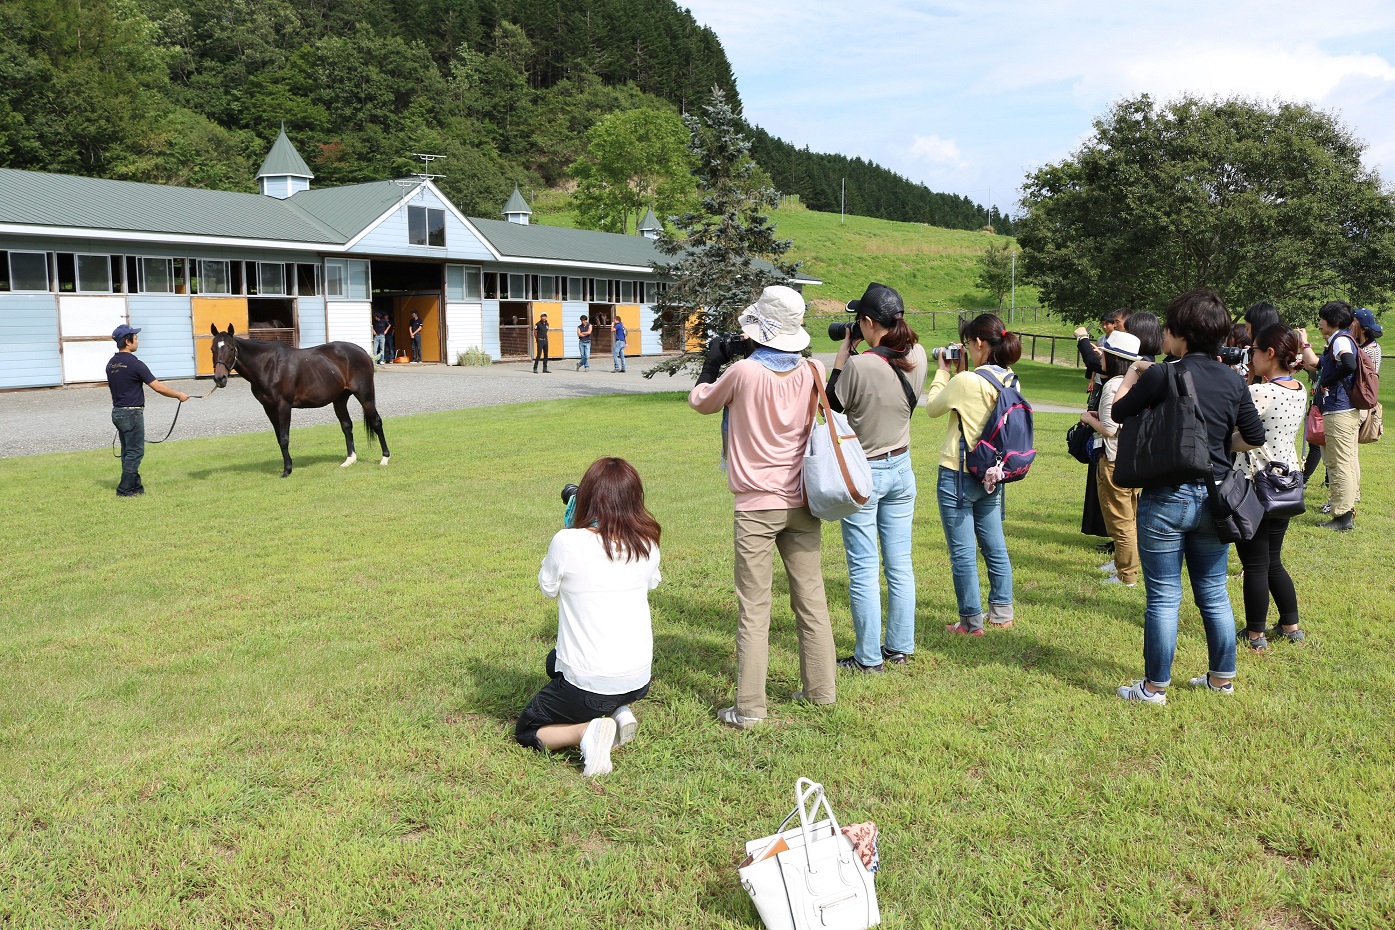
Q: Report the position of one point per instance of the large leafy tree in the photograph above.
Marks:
(1261, 201)
(634, 160)
(726, 250)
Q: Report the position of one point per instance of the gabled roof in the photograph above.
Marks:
(36, 198)
(350, 209)
(558, 243)
(283, 159)
(516, 203)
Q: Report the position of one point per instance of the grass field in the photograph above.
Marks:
(246, 702)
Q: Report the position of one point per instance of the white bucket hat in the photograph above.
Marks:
(776, 320)
(1122, 344)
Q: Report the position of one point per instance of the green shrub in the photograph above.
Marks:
(473, 356)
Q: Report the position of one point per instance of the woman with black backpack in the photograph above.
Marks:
(969, 512)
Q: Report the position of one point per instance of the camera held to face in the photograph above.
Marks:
(948, 353)
(728, 346)
(838, 331)
(1236, 355)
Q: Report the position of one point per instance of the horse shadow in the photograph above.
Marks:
(267, 465)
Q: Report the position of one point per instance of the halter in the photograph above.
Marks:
(231, 365)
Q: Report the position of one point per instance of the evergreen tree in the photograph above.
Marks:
(727, 252)
(995, 271)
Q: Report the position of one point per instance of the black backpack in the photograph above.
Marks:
(1165, 445)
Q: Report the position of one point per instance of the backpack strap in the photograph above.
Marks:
(888, 355)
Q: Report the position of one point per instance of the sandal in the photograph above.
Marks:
(960, 628)
(1001, 624)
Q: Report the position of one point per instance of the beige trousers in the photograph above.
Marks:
(1120, 509)
(1342, 459)
(797, 534)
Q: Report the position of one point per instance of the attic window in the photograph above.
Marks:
(426, 226)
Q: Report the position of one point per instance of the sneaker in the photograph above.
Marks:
(731, 718)
(1106, 547)
(891, 656)
(1136, 692)
(852, 665)
(961, 629)
(1293, 636)
(1108, 567)
(1325, 508)
(625, 724)
(1114, 579)
(1204, 681)
(1258, 645)
(595, 747)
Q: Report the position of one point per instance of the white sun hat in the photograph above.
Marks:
(1122, 344)
(776, 320)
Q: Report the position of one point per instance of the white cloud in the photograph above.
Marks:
(937, 151)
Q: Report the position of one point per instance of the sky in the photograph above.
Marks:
(969, 96)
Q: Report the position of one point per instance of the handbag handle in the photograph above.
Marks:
(818, 402)
(804, 790)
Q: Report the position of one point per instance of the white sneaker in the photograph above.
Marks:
(1114, 579)
(1136, 692)
(595, 747)
(625, 724)
(731, 718)
(1204, 681)
(1108, 567)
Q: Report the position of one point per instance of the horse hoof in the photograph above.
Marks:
(384, 461)
(349, 461)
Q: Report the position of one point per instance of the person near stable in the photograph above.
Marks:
(126, 377)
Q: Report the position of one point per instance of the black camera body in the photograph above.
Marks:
(1236, 355)
(838, 331)
(731, 345)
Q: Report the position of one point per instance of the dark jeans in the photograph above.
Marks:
(416, 348)
(561, 702)
(540, 348)
(1265, 575)
(130, 425)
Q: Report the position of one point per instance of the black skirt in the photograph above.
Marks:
(1092, 518)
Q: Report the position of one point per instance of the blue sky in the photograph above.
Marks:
(968, 96)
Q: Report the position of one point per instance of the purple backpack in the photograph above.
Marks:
(1004, 450)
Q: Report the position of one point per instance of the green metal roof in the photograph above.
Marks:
(516, 203)
(35, 198)
(650, 221)
(348, 210)
(284, 159)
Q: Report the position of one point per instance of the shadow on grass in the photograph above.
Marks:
(272, 467)
(1017, 648)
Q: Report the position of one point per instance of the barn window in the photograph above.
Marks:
(426, 226)
(307, 280)
(336, 277)
(518, 287)
(271, 278)
(358, 280)
(28, 271)
(156, 276)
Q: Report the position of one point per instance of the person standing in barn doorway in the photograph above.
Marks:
(540, 344)
(414, 330)
(126, 376)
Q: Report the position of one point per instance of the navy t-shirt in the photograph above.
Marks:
(126, 376)
(380, 326)
(619, 331)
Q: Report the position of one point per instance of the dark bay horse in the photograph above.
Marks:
(283, 378)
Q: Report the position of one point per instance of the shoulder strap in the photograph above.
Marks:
(998, 385)
(887, 354)
(820, 399)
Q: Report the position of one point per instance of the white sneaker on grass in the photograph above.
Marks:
(1204, 681)
(1136, 692)
(625, 724)
(1114, 579)
(1108, 567)
(595, 747)
(731, 718)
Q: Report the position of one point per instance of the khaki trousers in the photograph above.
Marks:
(1343, 462)
(1120, 509)
(797, 534)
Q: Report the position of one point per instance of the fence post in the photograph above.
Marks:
(1053, 350)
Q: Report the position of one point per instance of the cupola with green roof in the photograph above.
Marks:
(649, 227)
(284, 172)
(516, 210)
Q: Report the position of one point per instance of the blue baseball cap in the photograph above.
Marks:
(122, 331)
(1367, 319)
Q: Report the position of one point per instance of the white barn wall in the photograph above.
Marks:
(464, 329)
(85, 315)
(87, 361)
(350, 321)
(310, 314)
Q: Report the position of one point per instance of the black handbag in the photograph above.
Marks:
(1236, 508)
(1165, 445)
(1280, 490)
(1078, 441)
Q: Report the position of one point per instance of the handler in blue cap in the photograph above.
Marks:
(125, 375)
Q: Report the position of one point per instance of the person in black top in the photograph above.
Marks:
(414, 330)
(1091, 516)
(125, 376)
(380, 328)
(540, 344)
(1175, 523)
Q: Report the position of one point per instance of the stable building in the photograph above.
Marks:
(79, 256)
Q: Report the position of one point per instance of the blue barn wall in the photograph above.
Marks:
(166, 334)
(311, 312)
(29, 341)
(490, 314)
(390, 236)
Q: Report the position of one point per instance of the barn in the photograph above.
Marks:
(300, 264)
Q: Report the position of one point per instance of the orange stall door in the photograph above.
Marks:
(629, 315)
(219, 312)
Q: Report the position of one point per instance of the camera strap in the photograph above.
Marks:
(887, 355)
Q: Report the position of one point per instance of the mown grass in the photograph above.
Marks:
(246, 702)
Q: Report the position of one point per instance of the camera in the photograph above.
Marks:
(1236, 355)
(839, 331)
(949, 353)
(568, 492)
(731, 345)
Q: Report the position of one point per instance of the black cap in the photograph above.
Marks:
(879, 302)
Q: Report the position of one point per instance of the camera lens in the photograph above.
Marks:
(837, 331)
(568, 492)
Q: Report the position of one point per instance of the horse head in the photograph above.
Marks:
(224, 354)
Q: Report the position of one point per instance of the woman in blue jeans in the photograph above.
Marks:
(879, 390)
(1175, 525)
(969, 512)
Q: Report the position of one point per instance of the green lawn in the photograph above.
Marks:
(246, 702)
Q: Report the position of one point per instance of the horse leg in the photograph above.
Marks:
(280, 416)
(346, 423)
(375, 424)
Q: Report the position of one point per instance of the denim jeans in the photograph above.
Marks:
(130, 425)
(585, 360)
(416, 348)
(885, 518)
(380, 348)
(977, 516)
(1175, 525)
(619, 352)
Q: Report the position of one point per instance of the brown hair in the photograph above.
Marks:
(1285, 343)
(1004, 347)
(611, 497)
(899, 338)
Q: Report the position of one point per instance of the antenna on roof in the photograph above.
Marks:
(426, 160)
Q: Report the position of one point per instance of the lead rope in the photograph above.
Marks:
(116, 437)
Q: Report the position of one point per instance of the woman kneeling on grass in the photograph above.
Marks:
(968, 512)
(601, 572)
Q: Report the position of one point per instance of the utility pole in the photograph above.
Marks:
(1012, 313)
(843, 202)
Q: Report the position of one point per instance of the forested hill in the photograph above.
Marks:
(192, 92)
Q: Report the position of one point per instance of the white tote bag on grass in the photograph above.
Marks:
(810, 876)
(837, 478)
